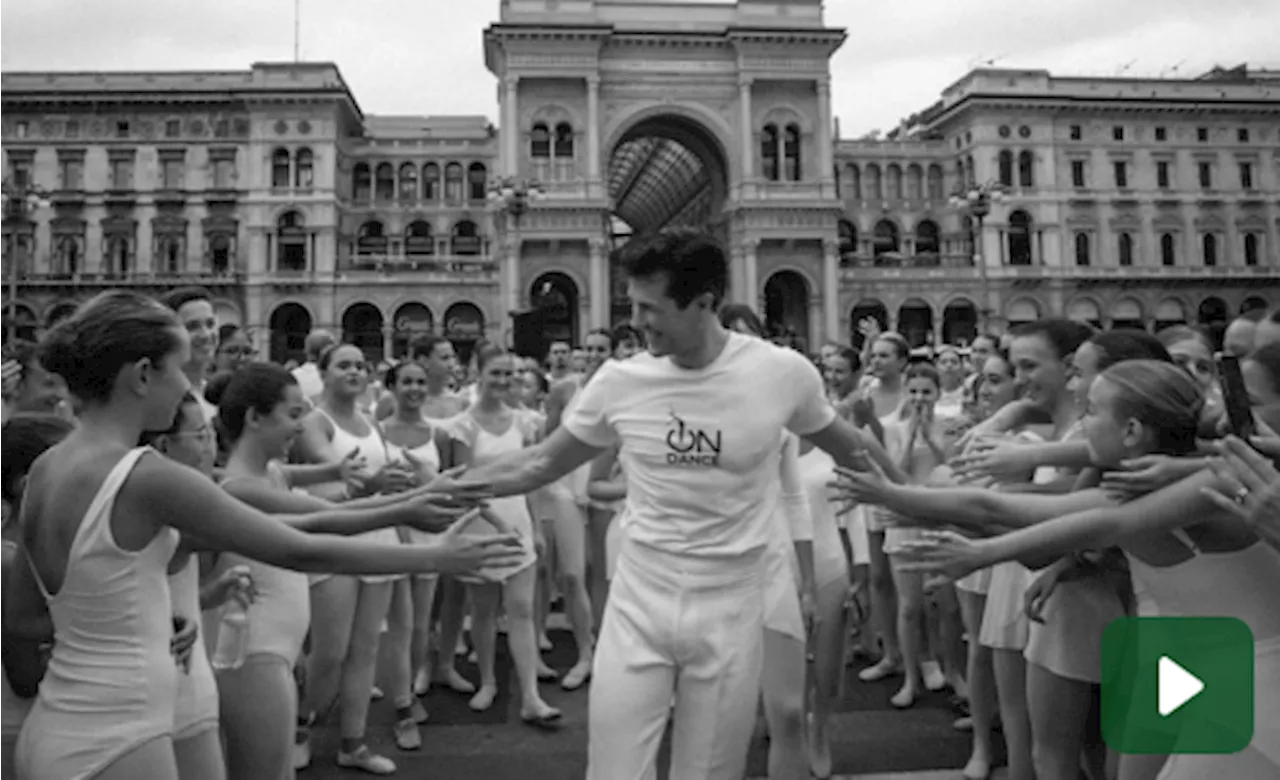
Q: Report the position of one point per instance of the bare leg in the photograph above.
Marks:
(982, 686)
(910, 590)
(1015, 720)
(828, 665)
(1059, 713)
(884, 611)
(452, 607)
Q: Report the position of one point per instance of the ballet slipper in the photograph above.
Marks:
(544, 644)
(880, 671)
(422, 682)
(546, 673)
(483, 699)
(457, 682)
(978, 768)
(577, 676)
(904, 698)
(542, 717)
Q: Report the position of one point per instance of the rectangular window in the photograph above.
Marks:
(172, 128)
(71, 173)
(1202, 134)
(1242, 135)
(122, 129)
(171, 173)
(21, 129)
(1117, 133)
(122, 173)
(221, 129)
(73, 129)
(1162, 134)
(224, 174)
(1077, 173)
(1076, 133)
(1246, 176)
(20, 170)
(1122, 175)
(1162, 175)
(1206, 175)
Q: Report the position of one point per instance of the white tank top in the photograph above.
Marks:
(373, 449)
(112, 682)
(817, 471)
(428, 455)
(197, 690)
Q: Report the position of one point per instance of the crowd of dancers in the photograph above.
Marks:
(206, 555)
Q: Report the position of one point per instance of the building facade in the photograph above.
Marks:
(1127, 201)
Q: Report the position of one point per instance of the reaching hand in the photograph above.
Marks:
(234, 583)
(448, 482)
(1249, 487)
(352, 466)
(1042, 588)
(946, 553)
(464, 554)
(860, 487)
(436, 512)
(1000, 460)
(1139, 476)
(183, 642)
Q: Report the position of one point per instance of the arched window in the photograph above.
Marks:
(1006, 167)
(1168, 253)
(914, 182)
(119, 256)
(540, 141)
(894, 175)
(564, 142)
(361, 182)
(408, 181)
(769, 152)
(791, 152)
(1210, 244)
(477, 182)
(835, 177)
(465, 239)
(885, 239)
(418, 241)
(280, 169)
(371, 239)
(927, 237)
(848, 239)
(1019, 238)
(220, 253)
(971, 173)
(935, 184)
(960, 180)
(875, 190)
(69, 255)
(1250, 249)
(304, 169)
(453, 183)
(854, 187)
(1126, 250)
(431, 182)
(291, 242)
(1026, 168)
(1082, 249)
(384, 182)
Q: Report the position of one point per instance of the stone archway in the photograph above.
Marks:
(554, 297)
(665, 169)
(786, 308)
(289, 325)
(362, 326)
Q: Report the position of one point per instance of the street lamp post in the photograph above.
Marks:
(977, 200)
(20, 202)
(510, 197)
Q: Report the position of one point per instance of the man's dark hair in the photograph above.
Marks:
(177, 298)
(692, 261)
(424, 345)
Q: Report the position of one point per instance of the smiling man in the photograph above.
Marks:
(698, 419)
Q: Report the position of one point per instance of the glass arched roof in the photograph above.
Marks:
(657, 182)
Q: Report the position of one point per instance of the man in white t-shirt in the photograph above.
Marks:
(698, 418)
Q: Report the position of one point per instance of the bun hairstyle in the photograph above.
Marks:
(110, 331)
(326, 354)
(26, 437)
(257, 386)
(149, 438)
(1065, 336)
(899, 342)
(1117, 346)
(1161, 396)
(393, 373)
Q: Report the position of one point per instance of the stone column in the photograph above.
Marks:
(388, 341)
(598, 284)
(510, 125)
(593, 128)
(831, 289)
(747, 128)
(510, 277)
(750, 274)
(823, 136)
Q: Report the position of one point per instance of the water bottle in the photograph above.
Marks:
(233, 637)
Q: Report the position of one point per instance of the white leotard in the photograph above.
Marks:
(111, 684)
(196, 709)
(513, 510)
(817, 472)
(428, 455)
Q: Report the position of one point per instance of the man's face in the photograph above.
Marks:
(666, 326)
(558, 356)
(198, 319)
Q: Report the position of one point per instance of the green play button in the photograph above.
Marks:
(1177, 685)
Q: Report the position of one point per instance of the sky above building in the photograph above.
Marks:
(425, 56)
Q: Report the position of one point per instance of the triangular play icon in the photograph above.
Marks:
(1176, 686)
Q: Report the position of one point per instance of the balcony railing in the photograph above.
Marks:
(408, 268)
(115, 278)
(957, 270)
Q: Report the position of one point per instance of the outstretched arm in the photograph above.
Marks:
(522, 471)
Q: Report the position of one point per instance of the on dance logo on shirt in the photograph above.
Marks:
(692, 447)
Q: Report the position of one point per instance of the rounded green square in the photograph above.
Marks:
(1207, 665)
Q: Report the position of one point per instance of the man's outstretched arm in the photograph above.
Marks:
(523, 471)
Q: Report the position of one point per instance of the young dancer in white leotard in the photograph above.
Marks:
(428, 448)
(488, 429)
(26, 437)
(103, 520)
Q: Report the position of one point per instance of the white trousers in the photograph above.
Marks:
(685, 627)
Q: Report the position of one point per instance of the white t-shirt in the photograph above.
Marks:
(309, 381)
(701, 447)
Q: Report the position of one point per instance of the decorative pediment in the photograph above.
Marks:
(1168, 220)
(1127, 220)
(219, 223)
